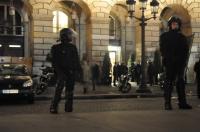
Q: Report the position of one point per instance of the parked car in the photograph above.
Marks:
(15, 81)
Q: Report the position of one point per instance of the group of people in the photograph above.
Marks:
(118, 70)
(121, 69)
(135, 72)
(152, 73)
(174, 51)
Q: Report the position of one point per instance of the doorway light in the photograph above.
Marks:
(114, 48)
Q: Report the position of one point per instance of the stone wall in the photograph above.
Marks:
(98, 30)
(43, 37)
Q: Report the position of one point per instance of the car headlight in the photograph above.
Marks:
(28, 83)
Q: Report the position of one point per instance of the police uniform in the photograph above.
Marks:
(65, 60)
(174, 51)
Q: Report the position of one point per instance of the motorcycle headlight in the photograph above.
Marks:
(28, 83)
(158, 76)
(123, 76)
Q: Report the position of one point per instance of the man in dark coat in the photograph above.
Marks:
(66, 63)
(95, 75)
(150, 71)
(137, 71)
(197, 71)
(174, 50)
(115, 74)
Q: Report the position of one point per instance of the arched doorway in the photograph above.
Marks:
(114, 47)
(79, 19)
(121, 33)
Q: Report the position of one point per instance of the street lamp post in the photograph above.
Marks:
(125, 28)
(154, 10)
(75, 16)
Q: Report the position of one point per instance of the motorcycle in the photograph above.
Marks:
(47, 79)
(124, 85)
(161, 77)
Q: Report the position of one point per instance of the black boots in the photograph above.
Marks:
(53, 111)
(168, 106)
(185, 106)
(69, 101)
(68, 109)
(180, 86)
(53, 108)
(167, 94)
(69, 106)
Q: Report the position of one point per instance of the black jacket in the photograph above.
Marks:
(174, 48)
(65, 59)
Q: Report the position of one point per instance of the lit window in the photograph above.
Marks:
(60, 20)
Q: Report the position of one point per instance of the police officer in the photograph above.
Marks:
(66, 63)
(174, 50)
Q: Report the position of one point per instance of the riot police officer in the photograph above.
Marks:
(66, 63)
(174, 50)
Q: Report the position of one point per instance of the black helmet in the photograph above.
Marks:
(174, 19)
(67, 34)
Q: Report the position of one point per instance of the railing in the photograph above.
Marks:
(11, 30)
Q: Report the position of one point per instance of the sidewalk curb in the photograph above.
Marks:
(110, 93)
(106, 96)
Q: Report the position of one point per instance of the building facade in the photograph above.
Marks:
(102, 26)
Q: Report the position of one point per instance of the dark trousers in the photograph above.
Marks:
(198, 87)
(138, 79)
(69, 88)
(114, 79)
(94, 83)
(174, 74)
(151, 79)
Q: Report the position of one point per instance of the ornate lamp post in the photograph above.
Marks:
(11, 8)
(75, 16)
(154, 10)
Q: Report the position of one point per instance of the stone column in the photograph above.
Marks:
(43, 36)
(100, 30)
